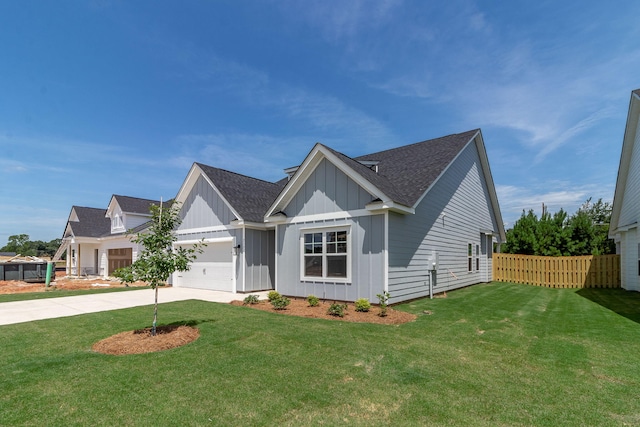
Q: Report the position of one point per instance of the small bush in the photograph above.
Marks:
(337, 309)
(362, 304)
(383, 298)
(313, 301)
(251, 299)
(280, 303)
(273, 295)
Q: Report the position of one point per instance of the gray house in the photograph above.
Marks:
(625, 214)
(343, 228)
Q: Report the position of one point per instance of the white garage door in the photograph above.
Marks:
(213, 269)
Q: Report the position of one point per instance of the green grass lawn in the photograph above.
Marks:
(490, 355)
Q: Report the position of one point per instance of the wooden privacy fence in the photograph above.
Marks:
(589, 271)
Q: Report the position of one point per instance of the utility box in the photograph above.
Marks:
(432, 261)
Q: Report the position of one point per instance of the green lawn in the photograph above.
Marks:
(489, 355)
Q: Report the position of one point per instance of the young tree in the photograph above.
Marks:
(158, 258)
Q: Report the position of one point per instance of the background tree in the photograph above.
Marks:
(584, 233)
(521, 239)
(20, 244)
(158, 259)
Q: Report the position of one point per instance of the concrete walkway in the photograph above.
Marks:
(49, 308)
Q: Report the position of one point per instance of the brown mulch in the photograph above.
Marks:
(141, 340)
(300, 307)
(61, 282)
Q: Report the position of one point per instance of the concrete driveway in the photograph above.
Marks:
(49, 308)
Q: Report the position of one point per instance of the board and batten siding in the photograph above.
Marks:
(452, 215)
(366, 258)
(327, 189)
(259, 260)
(630, 210)
(204, 207)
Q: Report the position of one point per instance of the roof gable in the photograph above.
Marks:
(89, 222)
(132, 205)
(399, 176)
(247, 197)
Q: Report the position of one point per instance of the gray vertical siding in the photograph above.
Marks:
(259, 260)
(328, 189)
(367, 261)
(461, 195)
(204, 208)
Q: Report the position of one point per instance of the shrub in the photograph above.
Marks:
(362, 304)
(251, 299)
(280, 303)
(273, 295)
(313, 301)
(383, 298)
(337, 309)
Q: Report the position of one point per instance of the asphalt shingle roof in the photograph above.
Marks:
(249, 197)
(403, 174)
(135, 205)
(91, 222)
(411, 169)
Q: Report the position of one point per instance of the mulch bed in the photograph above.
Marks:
(300, 307)
(141, 341)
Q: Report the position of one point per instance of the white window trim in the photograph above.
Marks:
(324, 230)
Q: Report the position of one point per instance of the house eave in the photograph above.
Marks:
(379, 206)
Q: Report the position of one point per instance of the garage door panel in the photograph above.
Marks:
(212, 269)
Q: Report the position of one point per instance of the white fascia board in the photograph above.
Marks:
(313, 159)
(381, 206)
(252, 225)
(628, 141)
(190, 181)
(111, 206)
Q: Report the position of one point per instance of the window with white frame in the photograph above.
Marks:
(325, 254)
(470, 257)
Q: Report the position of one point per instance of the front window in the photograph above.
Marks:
(326, 254)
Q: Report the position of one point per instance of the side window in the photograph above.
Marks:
(469, 257)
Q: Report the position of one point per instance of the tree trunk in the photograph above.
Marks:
(155, 314)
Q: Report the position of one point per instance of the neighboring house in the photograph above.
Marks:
(344, 228)
(96, 239)
(626, 202)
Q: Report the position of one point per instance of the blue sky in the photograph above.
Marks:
(108, 97)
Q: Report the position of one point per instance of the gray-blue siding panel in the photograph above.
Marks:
(448, 218)
(367, 261)
(328, 189)
(203, 207)
(259, 255)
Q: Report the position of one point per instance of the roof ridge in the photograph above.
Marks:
(401, 147)
(136, 198)
(236, 173)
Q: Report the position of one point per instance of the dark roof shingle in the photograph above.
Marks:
(91, 222)
(249, 197)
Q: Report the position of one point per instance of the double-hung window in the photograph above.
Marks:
(325, 254)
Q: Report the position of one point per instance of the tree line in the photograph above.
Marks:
(583, 233)
(21, 245)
